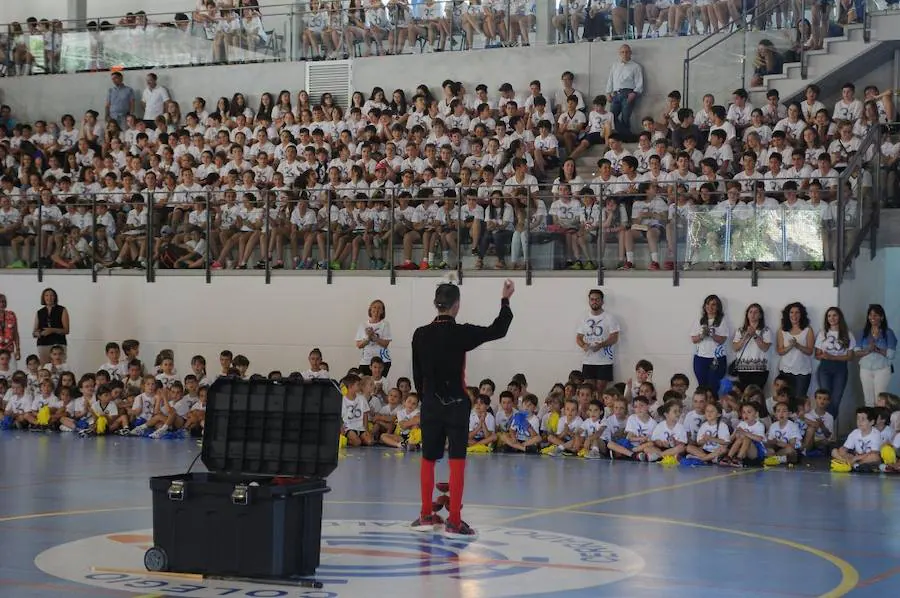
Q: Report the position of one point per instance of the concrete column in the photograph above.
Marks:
(76, 13)
(546, 10)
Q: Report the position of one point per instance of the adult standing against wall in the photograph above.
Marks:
(875, 351)
(834, 348)
(9, 333)
(623, 87)
(120, 100)
(597, 337)
(795, 345)
(709, 335)
(751, 344)
(154, 99)
(51, 325)
(373, 338)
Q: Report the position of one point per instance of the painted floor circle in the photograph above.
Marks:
(375, 558)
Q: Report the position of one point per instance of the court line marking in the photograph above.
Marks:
(849, 574)
(602, 501)
(871, 581)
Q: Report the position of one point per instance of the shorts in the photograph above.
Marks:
(625, 444)
(444, 425)
(592, 138)
(597, 372)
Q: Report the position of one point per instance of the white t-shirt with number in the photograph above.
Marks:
(353, 412)
(718, 430)
(862, 445)
(612, 427)
(828, 341)
(671, 436)
(383, 331)
(597, 329)
(789, 433)
(634, 425)
(708, 347)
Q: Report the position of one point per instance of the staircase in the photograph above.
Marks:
(842, 59)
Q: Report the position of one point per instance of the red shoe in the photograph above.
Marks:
(426, 523)
(627, 266)
(669, 265)
(653, 266)
(460, 531)
(423, 265)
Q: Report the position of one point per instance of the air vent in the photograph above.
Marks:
(332, 76)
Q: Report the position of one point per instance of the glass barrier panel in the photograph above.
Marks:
(708, 237)
(804, 236)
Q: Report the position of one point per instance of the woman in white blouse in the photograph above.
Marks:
(751, 344)
(795, 345)
(709, 335)
(834, 348)
(373, 338)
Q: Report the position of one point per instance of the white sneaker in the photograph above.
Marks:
(594, 453)
(65, 429)
(159, 432)
(139, 430)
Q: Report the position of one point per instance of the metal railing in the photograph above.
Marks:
(593, 228)
(738, 47)
(321, 30)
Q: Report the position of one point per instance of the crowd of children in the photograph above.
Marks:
(237, 187)
(728, 426)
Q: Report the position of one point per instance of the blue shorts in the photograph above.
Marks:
(140, 421)
(625, 444)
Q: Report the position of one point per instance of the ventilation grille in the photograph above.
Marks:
(332, 77)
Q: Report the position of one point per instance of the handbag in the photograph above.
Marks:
(732, 367)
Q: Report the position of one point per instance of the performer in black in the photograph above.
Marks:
(439, 370)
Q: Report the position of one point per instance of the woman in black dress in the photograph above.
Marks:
(51, 325)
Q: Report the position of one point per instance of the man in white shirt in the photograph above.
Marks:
(154, 100)
(597, 337)
(625, 84)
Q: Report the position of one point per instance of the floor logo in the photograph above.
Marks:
(374, 558)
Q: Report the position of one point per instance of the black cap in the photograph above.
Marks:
(445, 296)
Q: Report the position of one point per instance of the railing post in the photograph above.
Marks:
(839, 242)
(40, 243)
(392, 202)
(93, 246)
(459, 227)
(267, 236)
(329, 201)
(526, 231)
(676, 277)
(209, 233)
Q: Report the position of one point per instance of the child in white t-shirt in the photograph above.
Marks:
(713, 437)
(747, 447)
(669, 437)
(784, 437)
(482, 427)
(638, 431)
(820, 431)
(407, 420)
(355, 413)
(566, 438)
(523, 434)
(591, 441)
(862, 449)
(385, 418)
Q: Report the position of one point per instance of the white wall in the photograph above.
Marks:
(40, 97)
(276, 325)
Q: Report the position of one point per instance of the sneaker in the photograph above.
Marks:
(65, 429)
(653, 266)
(589, 265)
(669, 265)
(159, 433)
(426, 523)
(626, 266)
(459, 530)
(84, 433)
(123, 431)
(771, 461)
(138, 431)
(423, 265)
(594, 453)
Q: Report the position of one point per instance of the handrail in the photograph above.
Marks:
(718, 39)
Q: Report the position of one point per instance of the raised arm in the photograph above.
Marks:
(476, 336)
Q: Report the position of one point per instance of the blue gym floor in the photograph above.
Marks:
(75, 517)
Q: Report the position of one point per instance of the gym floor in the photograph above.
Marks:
(75, 519)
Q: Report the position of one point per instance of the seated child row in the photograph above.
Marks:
(735, 430)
